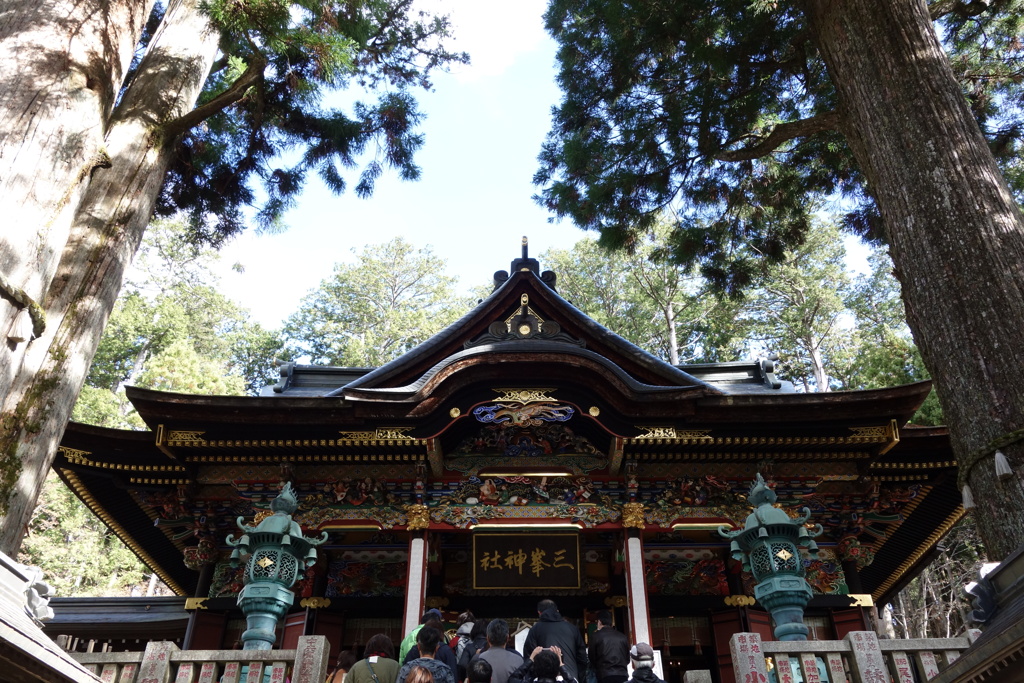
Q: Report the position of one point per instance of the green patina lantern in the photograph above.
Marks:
(278, 554)
(769, 547)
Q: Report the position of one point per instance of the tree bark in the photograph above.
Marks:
(62, 63)
(955, 233)
(105, 233)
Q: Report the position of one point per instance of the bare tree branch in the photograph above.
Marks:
(236, 91)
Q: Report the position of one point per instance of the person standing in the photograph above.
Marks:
(608, 651)
(409, 642)
(545, 665)
(503, 661)
(642, 656)
(479, 671)
(443, 653)
(378, 664)
(551, 630)
(427, 641)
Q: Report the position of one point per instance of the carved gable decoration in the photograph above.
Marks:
(519, 441)
(523, 324)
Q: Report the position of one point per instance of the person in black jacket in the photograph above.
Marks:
(554, 631)
(608, 651)
(544, 665)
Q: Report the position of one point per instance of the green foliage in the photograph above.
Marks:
(643, 296)
(886, 354)
(797, 310)
(393, 298)
(80, 556)
(665, 104)
(171, 330)
(831, 329)
(182, 369)
(265, 127)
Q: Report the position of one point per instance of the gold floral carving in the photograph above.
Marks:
(633, 515)
(523, 395)
(616, 601)
(185, 436)
(673, 433)
(315, 603)
(74, 455)
(260, 516)
(739, 600)
(419, 517)
(881, 432)
(393, 434)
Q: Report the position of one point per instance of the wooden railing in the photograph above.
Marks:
(163, 662)
(859, 658)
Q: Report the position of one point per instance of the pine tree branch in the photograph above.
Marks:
(236, 91)
(783, 133)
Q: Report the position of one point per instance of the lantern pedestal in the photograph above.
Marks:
(264, 605)
(785, 597)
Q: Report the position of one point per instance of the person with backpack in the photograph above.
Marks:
(463, 627)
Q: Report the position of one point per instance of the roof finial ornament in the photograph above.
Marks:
(525, 264)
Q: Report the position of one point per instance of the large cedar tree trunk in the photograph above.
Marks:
(62, 63)
(107, 228)
(955, 233)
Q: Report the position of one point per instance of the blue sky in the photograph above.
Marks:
(484, 128)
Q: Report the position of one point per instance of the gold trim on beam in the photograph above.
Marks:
(523, 472)
(932, 539)
(615, 456)
(435, 457)
(938, 465)
(195, 603)
(334, 458)
(77, 457)
(888, 435)
(523, 396)
(750, 455)
(83, 493)
(381, 434)
(161, 443)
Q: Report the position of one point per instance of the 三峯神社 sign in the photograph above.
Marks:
(526, 561)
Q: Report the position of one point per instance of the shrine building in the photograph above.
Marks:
(524, 452)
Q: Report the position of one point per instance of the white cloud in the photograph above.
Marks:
(494, 33)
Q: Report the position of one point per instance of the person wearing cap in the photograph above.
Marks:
(608, 651)
(642, 656)
(410, 640)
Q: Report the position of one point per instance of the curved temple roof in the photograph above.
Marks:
(526, 342)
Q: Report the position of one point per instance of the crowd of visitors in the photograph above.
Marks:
(483, 651)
